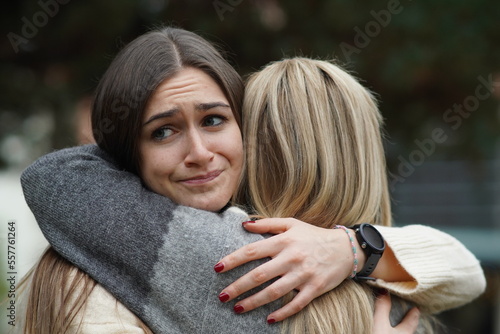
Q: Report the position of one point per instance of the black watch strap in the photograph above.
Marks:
(368, 268)
(372, 244)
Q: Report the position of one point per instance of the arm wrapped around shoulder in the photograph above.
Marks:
(447, 275)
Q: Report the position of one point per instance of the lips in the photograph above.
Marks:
(201, 179)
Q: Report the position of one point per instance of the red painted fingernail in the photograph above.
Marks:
(271, 321)
(238, 309)
(248, 222)
(223, 297)
(219, 267)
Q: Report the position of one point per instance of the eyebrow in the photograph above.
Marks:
(207, 106)
(173, 111)
(165, 114)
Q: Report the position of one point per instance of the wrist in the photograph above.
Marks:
(352, 253)
(361, 254)
(389, 268)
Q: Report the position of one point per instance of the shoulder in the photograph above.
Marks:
(103, 313)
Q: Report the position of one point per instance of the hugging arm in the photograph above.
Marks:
(98, 216)
(421, 264)
(440, 264)
(154, 256)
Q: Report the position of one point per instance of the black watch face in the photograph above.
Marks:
(373, 237)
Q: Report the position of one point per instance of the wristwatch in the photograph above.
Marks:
(373, 245)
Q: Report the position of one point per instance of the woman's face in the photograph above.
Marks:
(190, 146)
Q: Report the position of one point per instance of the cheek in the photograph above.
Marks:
(235, 150)
(153, 168)
(238, 159)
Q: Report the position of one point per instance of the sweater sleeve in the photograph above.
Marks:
(447, 275)
(154, 256)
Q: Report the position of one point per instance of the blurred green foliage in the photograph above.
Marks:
(421, 60)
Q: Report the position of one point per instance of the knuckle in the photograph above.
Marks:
(318, 286)
(234, 290)
(229, 259)
(299, 256)
(250, 251)
(259, 276)
(274, 292)
(249, 304)
(298, 276)
(285, 240)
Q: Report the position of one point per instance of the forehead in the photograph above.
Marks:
(189, 85)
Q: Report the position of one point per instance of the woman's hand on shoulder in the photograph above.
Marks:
(305, 258)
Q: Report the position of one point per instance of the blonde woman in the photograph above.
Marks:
(153, 255)
(326, 166)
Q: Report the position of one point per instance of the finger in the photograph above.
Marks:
(409, 323)
(270, 225)
(254, 278)
(301, 300)
(382, 307)
(257, 250)
(271, 293)
(381, 323)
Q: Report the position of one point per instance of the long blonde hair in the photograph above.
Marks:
(313, 146)
(313, 143)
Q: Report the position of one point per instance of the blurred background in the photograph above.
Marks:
(434, 65)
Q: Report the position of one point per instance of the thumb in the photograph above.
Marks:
(410, 321)
(382, 307)
(269, 225)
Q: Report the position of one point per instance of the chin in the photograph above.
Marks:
(213, 206)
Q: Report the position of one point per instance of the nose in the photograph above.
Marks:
(198, 149)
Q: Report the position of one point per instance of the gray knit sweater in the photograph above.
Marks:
(153, 255)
